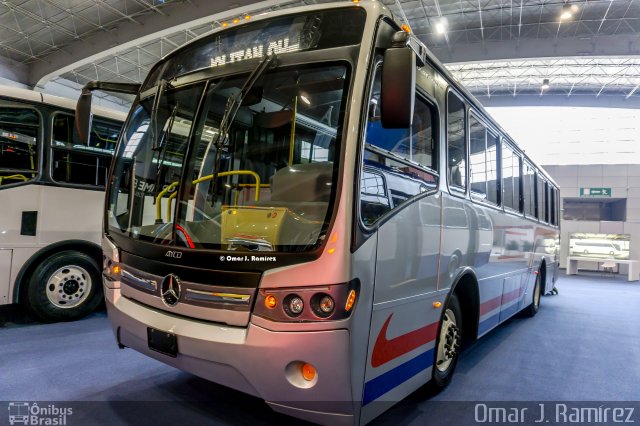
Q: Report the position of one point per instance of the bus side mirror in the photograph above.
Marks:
(84, 116)
(398, 88)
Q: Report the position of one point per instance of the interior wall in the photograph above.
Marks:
(624, 181)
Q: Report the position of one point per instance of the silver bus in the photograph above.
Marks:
(308, 208)
(51, 193)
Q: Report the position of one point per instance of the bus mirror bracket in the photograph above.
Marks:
(83, 107)
(398, 86)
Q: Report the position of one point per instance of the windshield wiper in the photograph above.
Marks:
(234, 102)
(160, 149)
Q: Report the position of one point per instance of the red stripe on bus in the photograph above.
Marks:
(386, 350)
(492, 304)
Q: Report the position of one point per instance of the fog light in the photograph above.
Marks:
(308, 372)
(326, 304)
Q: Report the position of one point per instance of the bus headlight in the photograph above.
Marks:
(293, 305)
(306, 304)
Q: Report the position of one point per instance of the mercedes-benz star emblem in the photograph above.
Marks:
(170, 290)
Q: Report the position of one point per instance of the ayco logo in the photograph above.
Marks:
(170, 290)
(173, 254)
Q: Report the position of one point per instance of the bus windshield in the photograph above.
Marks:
(266, 182)
(268, 186)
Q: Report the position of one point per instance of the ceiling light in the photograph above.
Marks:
(441, 26)
(304, 99)
(545, 84)
(566, 13)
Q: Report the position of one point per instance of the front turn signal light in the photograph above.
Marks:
(270, 301)
(351, 300)
(308, 372)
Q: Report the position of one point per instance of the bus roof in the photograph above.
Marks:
(378, 8)
(57, 101)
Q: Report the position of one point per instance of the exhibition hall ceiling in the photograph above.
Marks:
(502, 50)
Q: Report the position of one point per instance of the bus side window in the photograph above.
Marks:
(507, 177)
(78, 164)
(19, 129)
(456, 142)
(528, 189)
(398, 164)
(477, 158)
(492, 168)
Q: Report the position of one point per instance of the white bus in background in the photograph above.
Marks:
(597, 248)
(51, 193)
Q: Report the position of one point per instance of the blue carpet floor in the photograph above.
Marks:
(584, 345)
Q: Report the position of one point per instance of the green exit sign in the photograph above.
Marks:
(595, 192)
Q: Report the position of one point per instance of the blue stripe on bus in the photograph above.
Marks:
(385, 382)
(507, 312)
(488, 323)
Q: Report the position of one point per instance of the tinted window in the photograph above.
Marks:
(456, 147)
(477, 158)
(528, 185)
(18, 143)
(507, 176)
(541, 199)
(511, 177)
(493, 189)
(392, 159)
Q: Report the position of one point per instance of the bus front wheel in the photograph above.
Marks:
(64, 287)
(448, 344)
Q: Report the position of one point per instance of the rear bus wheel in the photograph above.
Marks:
(448, 344)
(533, 308)
(64, 287)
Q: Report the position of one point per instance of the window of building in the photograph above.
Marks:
(593, 209)
(456, 146)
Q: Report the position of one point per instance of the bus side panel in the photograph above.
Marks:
(5, 276)
(404, 322)
(71, 214)
(508, 270)
(14, 202)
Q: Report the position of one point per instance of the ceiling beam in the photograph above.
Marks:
(148, 27)
(602, 101)
(603, 45)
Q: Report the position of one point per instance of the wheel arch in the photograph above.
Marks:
(87, 247)
(542, 270)
(465, 287)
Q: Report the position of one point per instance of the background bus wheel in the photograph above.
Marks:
(65, 286)
(448, 344)
(533, 308)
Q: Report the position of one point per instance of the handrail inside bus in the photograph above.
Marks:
(14, 177)
(162, 193)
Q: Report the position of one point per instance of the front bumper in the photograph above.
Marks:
(250, 359)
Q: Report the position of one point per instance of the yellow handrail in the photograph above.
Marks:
(14, 177)
(159, 199)
(199, 180)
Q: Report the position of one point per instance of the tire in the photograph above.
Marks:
(450, 328)
(534, 307)
(64, 287)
